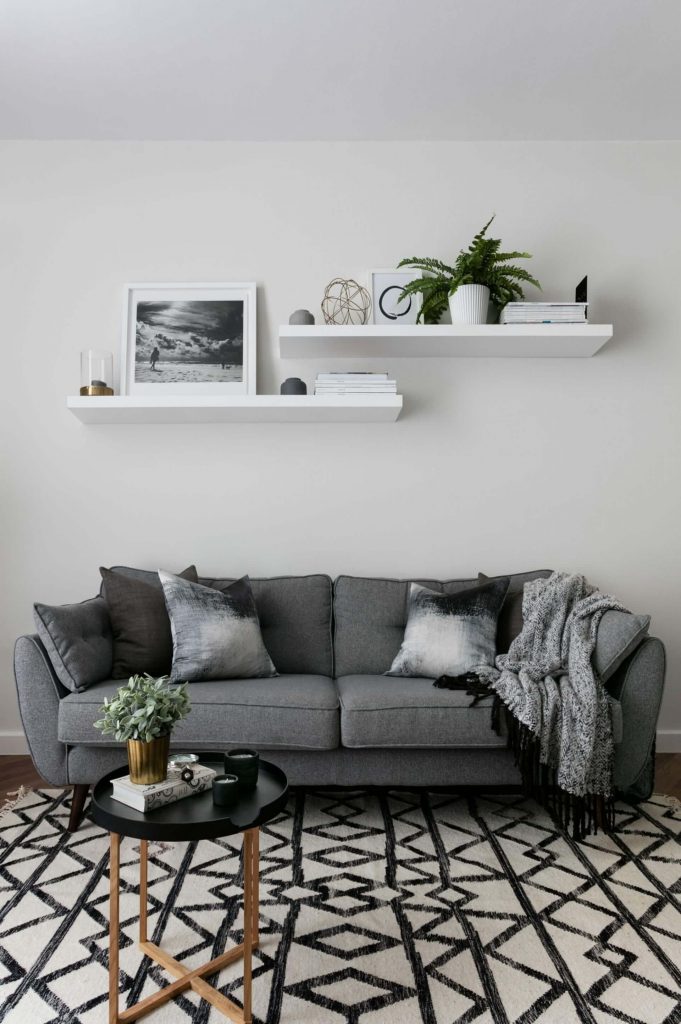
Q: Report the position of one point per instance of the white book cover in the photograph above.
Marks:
(546, 305)
(158, 794)
(354, 391)
(353, 375)
(174, 777)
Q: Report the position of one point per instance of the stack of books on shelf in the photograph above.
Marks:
(158, 794)
(362, 383)
(544, 313)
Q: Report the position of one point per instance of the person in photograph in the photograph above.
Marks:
(153, 358)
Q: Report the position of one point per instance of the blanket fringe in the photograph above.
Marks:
(584, 815)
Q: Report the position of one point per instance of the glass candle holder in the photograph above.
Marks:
(96, 373)
(225, 790)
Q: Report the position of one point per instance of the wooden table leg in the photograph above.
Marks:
(114, 869)
(255, 867)
(249, 915)
(186, 978)
(144, 851)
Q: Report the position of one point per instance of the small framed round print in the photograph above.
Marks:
(386, 296)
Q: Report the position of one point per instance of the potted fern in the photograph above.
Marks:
(480, 274)
(142, 714)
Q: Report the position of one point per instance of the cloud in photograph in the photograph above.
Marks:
(193, 331)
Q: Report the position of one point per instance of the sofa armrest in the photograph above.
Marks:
(39, 692)
(638, 685)
(618, 636)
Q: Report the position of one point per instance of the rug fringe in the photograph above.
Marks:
(14, 797)
(672, 802)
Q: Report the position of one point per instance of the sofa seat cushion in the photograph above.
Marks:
(389, 711)
(291, 711)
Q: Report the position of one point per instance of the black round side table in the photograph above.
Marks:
(195, 817)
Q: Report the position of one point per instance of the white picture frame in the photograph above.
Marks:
(384, 287)
(200, 350)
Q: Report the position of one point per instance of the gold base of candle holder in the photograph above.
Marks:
(89, 390)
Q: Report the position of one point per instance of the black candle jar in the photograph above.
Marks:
(225, 790)
(243, 763)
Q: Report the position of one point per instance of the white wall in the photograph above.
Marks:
(495, 466)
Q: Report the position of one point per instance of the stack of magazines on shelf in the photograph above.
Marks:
(158, 794)
(544, 313)
(362, 383)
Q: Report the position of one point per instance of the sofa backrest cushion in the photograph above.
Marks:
(370, 616)
(77, 638)
(295, 615)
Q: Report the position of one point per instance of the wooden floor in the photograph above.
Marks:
(16, 771)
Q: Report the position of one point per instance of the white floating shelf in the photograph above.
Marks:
(238, 409)
(517, 341)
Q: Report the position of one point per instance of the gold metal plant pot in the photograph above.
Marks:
(148, 761)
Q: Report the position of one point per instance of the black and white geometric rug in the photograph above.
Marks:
(395, 909)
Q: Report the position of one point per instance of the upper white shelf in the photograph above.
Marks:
(238, 409)
(518, 341)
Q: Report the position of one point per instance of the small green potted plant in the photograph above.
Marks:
(142, 714)
(480, 274)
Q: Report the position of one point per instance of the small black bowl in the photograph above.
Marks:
(244, 763)
(225, 790)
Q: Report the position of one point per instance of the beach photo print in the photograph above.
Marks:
(189, 340)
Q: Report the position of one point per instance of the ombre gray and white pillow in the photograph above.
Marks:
(449, 634)
(216, 633)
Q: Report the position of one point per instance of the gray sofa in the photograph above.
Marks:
(331, 717)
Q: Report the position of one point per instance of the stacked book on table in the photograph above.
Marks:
(158, 794)
(361, 383)
(544, 313)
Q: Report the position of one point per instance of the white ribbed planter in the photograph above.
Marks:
(468, 304)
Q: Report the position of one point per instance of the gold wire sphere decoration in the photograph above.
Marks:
(346, 302)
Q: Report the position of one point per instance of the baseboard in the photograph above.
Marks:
(13, 741)
(669, 741)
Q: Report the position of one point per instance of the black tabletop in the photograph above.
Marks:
(195, 817)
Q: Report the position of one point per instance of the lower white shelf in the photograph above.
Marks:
(238, 409)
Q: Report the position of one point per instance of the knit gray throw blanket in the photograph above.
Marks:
(559, 716)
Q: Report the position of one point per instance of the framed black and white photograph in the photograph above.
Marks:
(386, 289)
(189, 339)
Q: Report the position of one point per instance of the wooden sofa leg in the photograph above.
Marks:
(78, 798)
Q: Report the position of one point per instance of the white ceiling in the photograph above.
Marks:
(340, 69)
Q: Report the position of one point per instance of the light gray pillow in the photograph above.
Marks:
(78, 641)
(216, 633)
(449, 634)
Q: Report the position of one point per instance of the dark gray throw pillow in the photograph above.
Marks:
(510, 622)
(449, 634)
(77, 638)
(216, 633)
(142, 641)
